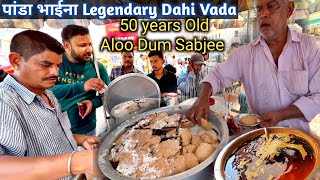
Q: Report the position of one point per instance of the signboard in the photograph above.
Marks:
(113, 31)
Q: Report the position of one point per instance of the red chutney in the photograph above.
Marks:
(233, 127)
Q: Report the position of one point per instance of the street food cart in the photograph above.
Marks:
(120, 94)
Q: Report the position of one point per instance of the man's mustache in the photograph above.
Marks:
(49, 78)
(264, 23)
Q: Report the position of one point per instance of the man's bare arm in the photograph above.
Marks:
(47, 167)
(88, 142)
(201, 107)
(274, 117)
(291, 112)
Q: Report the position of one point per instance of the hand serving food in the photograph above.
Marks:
(270, 119)
(199, 109)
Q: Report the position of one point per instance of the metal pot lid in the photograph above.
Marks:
(132, 86)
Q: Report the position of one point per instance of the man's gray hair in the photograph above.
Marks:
(287, 1)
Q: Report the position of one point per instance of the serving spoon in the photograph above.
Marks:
(267, 133)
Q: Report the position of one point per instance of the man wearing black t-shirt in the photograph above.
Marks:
(166, 80)
(3, 74)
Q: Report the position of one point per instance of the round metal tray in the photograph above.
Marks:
(227, 151)
(195, 173)
(239, 116)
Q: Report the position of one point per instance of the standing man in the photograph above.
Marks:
(189, 82)
(280, 71)
(142, 64)
(127, 65)
(35, 138)
(166, 80)
(78, 82)
(206, 68)
(173, 60)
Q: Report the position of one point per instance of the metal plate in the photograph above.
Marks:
(130, 87)
(194, 173)
(239, 116)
